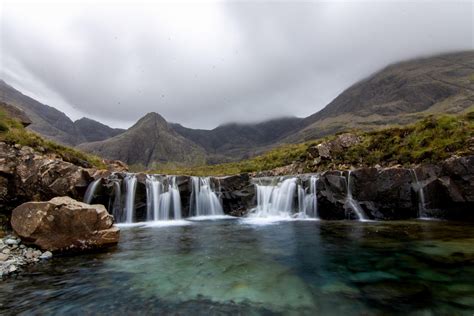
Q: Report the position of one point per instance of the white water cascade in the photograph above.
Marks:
(117, 202)
(421, 196)
(204, 201)
(91, 189)
(353, 204)
(275, 200)
(130, 181)
(163, 198)
(308, 200)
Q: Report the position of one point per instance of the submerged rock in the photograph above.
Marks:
(64, 224)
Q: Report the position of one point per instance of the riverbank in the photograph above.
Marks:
(14, 255)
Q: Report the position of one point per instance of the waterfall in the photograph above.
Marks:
(308, 201)
(91, 189)
(163, 198)
(353, 204)
(421, 196)
(204, 201)
(275, 200)
(117, 203)
(130, 188)
(153, 194)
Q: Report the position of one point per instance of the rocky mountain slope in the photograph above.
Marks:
(399, 94)
(239, 140)
(54, 124)
(93, 131)
(151, 140)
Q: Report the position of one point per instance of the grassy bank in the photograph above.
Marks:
(13, 132)
(429, 140)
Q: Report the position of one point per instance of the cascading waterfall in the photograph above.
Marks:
(204, 201)
(353, 204)
(91, 189)
(421, 196)
(163, 198)
(308, 201)
(130, 189)
(117, 202)
(275, 200)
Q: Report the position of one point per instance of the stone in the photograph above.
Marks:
(46, 255)
(75, 226)
(6, 251)
(12, 268)
(3, 257)
(11, 241)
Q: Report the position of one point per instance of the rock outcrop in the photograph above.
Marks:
(30, 175)
(64, 224)
(392, 193)
(27, 175)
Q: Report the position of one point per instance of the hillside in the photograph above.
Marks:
(150, 141)
(93, 131)
(13, 131)
(429, 140)
(54, 124)
(237, 141)
(399, 94)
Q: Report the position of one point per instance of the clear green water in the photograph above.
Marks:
(230, 267)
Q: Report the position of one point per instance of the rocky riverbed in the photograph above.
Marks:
(14, 255)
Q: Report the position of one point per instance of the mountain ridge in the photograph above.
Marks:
(398, 94)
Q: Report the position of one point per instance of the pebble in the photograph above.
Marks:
(46, 255)
(13, 255)
(11, 242)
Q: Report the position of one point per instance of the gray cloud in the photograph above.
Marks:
(206, 64)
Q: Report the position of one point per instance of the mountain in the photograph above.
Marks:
(239, 140)
(46, 120)
(151, 140)
(54, 124)
(93, 131)
(398, 94)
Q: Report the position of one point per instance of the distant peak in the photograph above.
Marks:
(152, 118)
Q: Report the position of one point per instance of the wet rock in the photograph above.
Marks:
(395, 294)
(46, 255)
(11, 241)
(63, 224)
(372, 276)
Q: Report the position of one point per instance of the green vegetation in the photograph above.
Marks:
(431, 139)
(13, 132)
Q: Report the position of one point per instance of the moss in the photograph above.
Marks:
(14, 133)
(431, 139)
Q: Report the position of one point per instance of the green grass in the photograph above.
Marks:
(431, 139)
(13, 132)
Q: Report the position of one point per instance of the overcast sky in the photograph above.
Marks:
(204, 64)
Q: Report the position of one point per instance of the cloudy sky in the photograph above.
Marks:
(204, 64)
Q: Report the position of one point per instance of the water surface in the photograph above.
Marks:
(235, 266)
